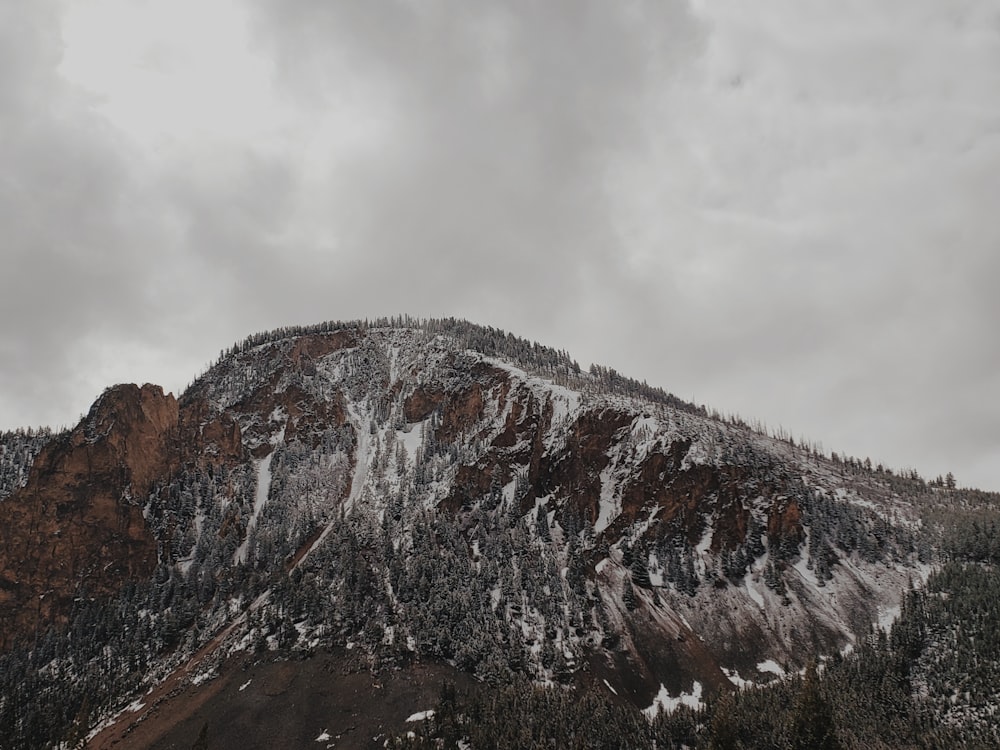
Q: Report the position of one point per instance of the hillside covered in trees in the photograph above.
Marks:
(598, 563)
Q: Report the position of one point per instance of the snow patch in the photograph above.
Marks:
(608, 684)
(208, 674)
(245, 685)
(706, 542)
(645, 424)
(646, 436)
(641, 527)
(753, 593)
(656, 576)
(734, 677)
(801, 566)
(421, 715)
(412, 438)
(565, 402)
(362, 453)
(924, 571)
(508, 492)
(610, 502)
(770, 665)
(697, 455)
(665, 702)
(887, 616)
(199, 522)
(260, 497)
(323, 736)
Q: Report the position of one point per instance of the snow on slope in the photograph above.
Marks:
(358, 478)
(665, 702)
(728, 617)
(260, 498)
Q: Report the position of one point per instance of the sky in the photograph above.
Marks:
(787, 209)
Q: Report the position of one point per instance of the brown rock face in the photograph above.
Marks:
(519, 442)
(461, 409)
(309, 348)
(576, 471)
(784, 523)
(686, 497)
(75, 529)
(419, 404)
(683, 500)
(197, 429)
(306, 415)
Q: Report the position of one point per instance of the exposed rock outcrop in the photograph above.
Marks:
(76, 528)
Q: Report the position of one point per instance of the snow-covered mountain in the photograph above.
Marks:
(431, 492)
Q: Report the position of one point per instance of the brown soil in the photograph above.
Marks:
(286, 702)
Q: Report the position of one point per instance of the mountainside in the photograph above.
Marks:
(403, 493)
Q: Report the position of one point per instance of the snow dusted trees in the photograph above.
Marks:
(18, 449)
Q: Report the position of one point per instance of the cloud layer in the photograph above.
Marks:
(785, 210)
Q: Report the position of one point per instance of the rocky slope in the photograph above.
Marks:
(441, 491)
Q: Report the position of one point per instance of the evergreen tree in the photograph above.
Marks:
(723, 733)
(628, 594)
(639, 568)
(812, 724)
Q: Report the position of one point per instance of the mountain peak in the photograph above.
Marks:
(435, 490)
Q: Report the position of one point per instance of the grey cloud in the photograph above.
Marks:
(94, 276)
(768, 211)
(503, 119)
(59, 199)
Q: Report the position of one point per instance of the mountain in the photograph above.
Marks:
(350, 515)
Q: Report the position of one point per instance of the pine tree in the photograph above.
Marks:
(78, 735)
(640, 568)
(628, 594)
(723, 729)
(812, 725)
(542, 524)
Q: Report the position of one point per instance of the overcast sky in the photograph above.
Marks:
(788, 209)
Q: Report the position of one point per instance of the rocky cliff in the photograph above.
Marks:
(76, 528)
